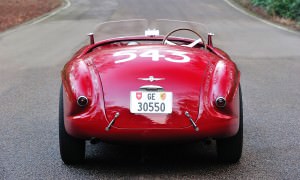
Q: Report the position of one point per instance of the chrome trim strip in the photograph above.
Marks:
(151, 79)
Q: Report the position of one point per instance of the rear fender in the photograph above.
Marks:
(80, 79)
(224, 83)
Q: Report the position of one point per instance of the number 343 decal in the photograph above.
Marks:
(155, 55)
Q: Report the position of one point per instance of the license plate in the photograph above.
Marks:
(151, 102)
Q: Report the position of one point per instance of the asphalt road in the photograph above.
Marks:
(32, 56)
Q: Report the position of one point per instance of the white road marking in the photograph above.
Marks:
(67, 4)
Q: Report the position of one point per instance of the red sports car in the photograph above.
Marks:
(150, 88)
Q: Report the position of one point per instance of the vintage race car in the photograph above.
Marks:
(150, 88)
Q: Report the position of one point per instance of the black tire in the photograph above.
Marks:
(230, 149)
(72, 150)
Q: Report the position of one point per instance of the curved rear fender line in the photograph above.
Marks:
(81, 51)
(220, 53)
(80, 79)
(224, 83)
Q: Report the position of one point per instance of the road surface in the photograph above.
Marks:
(32, 56)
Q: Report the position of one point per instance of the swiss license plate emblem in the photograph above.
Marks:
(151, 102)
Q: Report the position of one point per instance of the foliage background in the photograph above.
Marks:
(289, 9)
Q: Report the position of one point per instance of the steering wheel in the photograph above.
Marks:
(201, 39)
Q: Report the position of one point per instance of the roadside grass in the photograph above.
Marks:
(14, 12)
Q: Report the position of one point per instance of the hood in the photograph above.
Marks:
(180, 70)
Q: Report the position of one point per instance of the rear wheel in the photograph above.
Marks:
(72, 150)
(230, 149)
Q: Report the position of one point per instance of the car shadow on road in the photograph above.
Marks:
(154, 159)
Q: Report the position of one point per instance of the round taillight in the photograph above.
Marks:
(82, 101)
(220, 102)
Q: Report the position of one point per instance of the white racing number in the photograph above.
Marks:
(130, 53)
(155, 55)
(182, 55)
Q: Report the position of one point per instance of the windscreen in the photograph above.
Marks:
(134, 27)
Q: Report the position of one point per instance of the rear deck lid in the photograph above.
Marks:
(172, 73)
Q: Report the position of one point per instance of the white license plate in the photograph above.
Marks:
(151, 102)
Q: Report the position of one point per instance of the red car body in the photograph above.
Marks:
(106, 72)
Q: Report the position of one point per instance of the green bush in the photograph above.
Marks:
(284, 8)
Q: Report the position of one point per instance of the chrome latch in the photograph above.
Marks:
(151, 88)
